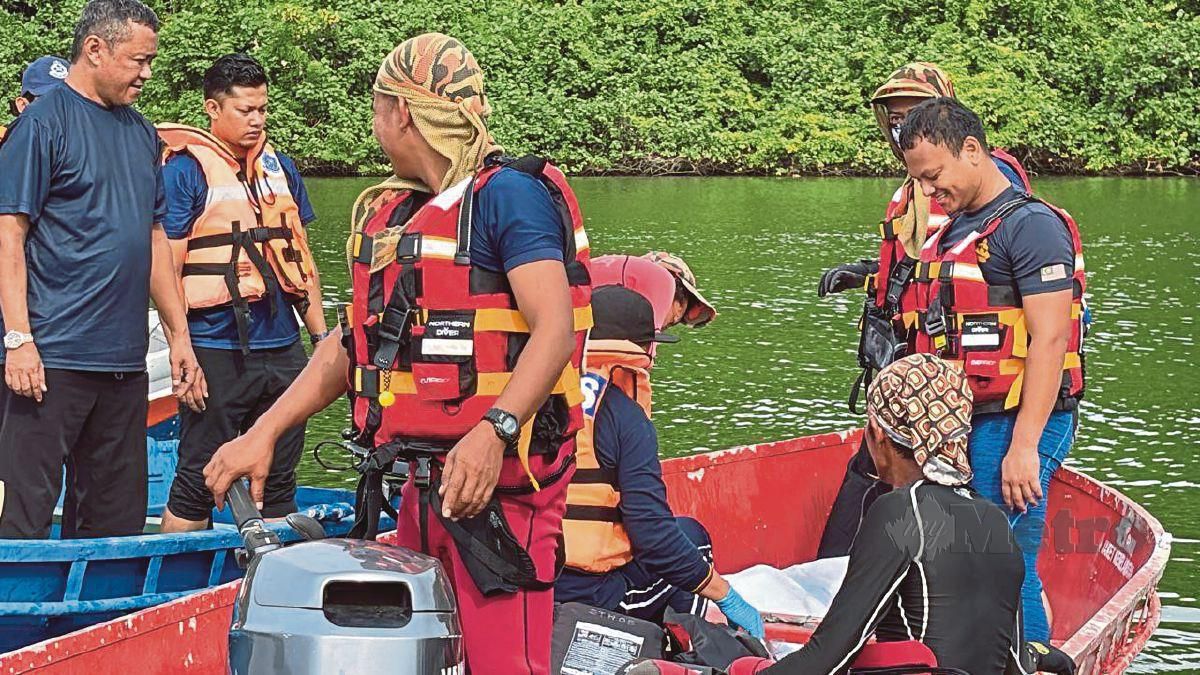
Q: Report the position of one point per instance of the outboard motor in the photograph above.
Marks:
(338, 606)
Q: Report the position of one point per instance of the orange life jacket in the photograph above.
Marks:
(596, 540)
(982, 327)
(249, 239)
(432, 338)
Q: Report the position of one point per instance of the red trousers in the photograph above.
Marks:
(506, 634)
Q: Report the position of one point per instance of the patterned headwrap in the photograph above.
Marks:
(923, 403)
(443, 86)
(914, 80)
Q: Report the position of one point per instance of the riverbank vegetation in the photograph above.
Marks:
(772, 87)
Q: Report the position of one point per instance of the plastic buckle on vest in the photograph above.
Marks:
(934, 325)
(364, 248)
(423, 476)
(408, 248)
(392, 328)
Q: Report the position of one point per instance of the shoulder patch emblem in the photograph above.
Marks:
(271, 163)
(981, 250)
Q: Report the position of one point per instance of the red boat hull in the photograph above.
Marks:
(1102, 558)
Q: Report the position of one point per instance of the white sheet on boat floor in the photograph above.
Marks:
(801, 590)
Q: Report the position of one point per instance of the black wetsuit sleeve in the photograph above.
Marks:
(878, 560)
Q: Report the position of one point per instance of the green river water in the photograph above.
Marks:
(777, 362)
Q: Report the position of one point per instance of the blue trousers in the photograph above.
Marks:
(988, 444)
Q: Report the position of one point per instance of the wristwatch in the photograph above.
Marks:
(505, 424)
(15, 338)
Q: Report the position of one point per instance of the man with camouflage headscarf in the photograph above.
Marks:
(889, 310)
(463, 345)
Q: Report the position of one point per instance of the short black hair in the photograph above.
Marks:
(109, 20)
(942, 121)
(232, 70)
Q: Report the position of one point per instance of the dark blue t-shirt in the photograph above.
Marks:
(515, 222)
(216, 327)
(1031, 251)
(88, 178)
(625, 440)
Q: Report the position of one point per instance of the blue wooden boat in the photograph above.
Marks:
(52, 587)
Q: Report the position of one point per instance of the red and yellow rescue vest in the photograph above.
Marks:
(982, 327)
(433, 339)
(903, 302)
(595, 539)
(249, 235)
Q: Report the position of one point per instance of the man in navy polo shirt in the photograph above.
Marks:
(81, 254)
(215, 181)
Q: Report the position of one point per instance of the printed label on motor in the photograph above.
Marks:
(599, 650)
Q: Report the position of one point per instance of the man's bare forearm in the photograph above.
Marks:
(321, 382)
(544, 299)
(165, 287)
(14, 301)
(314, 317)
(538, 369)
(1039, 391)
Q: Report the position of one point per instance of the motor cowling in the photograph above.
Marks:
(345, 606)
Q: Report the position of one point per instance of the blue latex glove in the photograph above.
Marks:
(741, 614)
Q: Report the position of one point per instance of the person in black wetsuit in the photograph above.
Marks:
(933, 561)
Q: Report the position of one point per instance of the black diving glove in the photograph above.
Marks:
(845, 277)
(1049, 659)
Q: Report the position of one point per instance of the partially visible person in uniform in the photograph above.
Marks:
(38, 78)
(626, 550)
(463, 346)
(889, 312)
(82, 252)
(1000, 291)
(237, 210)
(689, 307)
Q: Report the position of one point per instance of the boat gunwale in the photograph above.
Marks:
(1139, 590)
(1096, 637)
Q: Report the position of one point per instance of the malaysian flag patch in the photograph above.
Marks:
(1054, 272)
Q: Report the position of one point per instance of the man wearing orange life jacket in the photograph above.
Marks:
(232, 196)
(889, 310)
(999, 290)
(626, 551)
(461, 351)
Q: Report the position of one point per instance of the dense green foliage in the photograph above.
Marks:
(710, 86)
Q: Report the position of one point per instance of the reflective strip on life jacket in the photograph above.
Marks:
(596, 541)
(983, 327)
(434, 339)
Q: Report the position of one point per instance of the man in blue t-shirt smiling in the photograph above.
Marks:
(81, 254)
(1008, 305)
(246, 335)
